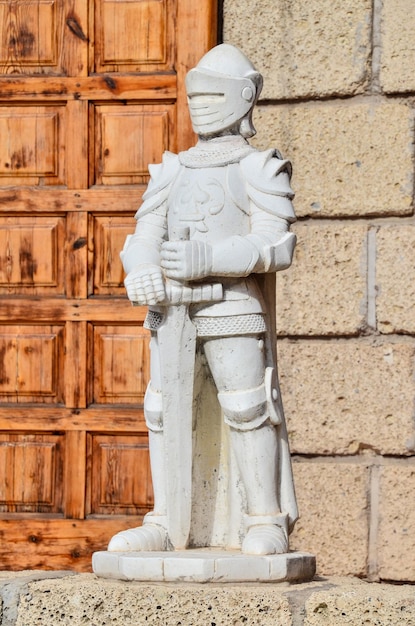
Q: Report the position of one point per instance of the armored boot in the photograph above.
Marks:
(265, 534)
(152, 535)
(256, 453)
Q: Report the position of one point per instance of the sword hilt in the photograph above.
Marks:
(178, 233)
(180, 292)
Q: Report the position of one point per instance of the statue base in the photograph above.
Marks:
(204, 565)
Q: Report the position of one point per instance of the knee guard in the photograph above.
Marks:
(272, 389)
(245, 410)
(153, 409)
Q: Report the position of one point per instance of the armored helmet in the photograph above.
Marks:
(221, 91)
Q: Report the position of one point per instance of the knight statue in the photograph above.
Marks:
(213, 229)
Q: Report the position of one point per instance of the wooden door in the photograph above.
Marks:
(90, 93)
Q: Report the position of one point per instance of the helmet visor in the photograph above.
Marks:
(216, 101)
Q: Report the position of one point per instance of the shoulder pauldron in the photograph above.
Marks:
(162, 176)
(267, 177)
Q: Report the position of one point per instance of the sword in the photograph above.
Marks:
(177, 345)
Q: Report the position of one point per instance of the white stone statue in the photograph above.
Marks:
(212, 231)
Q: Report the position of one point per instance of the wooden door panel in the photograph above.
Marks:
(32, 468)
(120, 364)
(28, 33)
(120, 475)
(134, 35)
(31, 364)
(30, 259)
(32, 145)
(127, 139)
(91, 92)
(108, 237)
(43, 37)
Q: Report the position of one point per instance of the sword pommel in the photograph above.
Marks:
(180, 233)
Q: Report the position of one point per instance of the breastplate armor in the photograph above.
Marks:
(201, 200)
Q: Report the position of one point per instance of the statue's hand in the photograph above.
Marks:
(145, 285)
(186, 260)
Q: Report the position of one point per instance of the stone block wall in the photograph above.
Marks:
(339, 102)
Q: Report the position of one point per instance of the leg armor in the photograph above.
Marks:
(245, 410)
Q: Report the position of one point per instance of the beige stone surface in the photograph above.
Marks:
(348, 396)
(303, 48)
(83, 599)
(351, 158)
(333, 524)
(396, 532)
(397, 46)
(324, 291)
(355, 603)
(97, 602)
(395, 278)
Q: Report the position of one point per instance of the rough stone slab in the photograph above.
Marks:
(396, 532)
(324, 291)
(395, 278)
(355, 603)
(346, 396)
(397, 46)
(303, 48)
(84, 599)
(341, 164)
(14, 585)
(204, 566)
(100, 602)
(333, 524)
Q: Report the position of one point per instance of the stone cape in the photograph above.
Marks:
(218, 498)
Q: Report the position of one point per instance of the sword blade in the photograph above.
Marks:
(177, 344)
